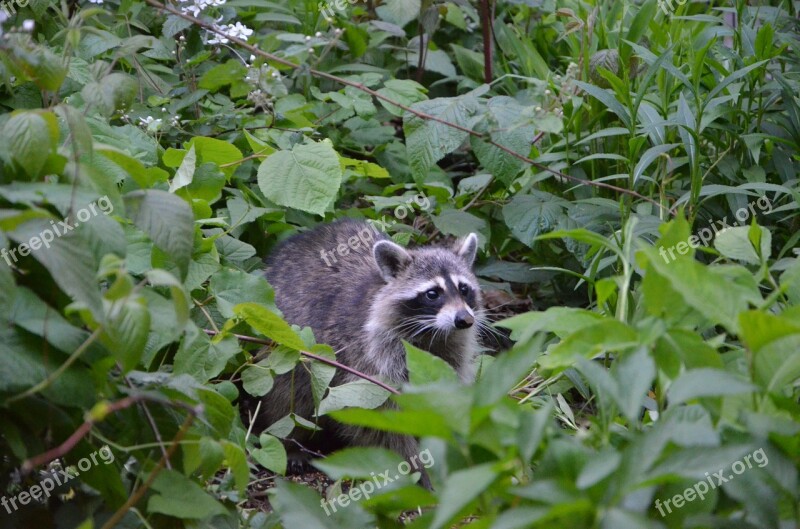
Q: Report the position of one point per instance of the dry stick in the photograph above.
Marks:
(152, 477)
(486, 22)
(334, 363)
(422, 115)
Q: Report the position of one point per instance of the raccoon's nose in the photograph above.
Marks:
(464, 319)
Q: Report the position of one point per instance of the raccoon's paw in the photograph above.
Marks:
(298, 463)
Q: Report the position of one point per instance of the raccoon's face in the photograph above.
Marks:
(430, 292)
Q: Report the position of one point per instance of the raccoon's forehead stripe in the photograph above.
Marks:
(458, 279)
(430, 284)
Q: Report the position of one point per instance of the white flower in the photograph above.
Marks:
(318, 34)
(28, 25)
(96, 1)
(237, 30)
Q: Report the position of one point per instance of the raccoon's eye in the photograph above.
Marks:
(464, 289)
(432, 294)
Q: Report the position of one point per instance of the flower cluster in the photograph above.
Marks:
(195, 7)
(237, 30)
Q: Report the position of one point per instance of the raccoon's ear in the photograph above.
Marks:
(391, 258)
(468, 248)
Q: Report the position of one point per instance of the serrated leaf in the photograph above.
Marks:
(429, 141)
(167, 219)
(307, 177)
(528, 216)
(27, 139)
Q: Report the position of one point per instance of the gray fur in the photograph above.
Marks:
(362, 305)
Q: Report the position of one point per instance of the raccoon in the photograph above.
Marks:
(362, 294)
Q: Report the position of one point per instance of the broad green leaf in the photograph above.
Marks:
(706, 382)
(68, 258)
(204, 357)
(257, 380)
(354, 463)
(460, 489)
(531, 215)
(605, 336)
(307, 177)
(168, 221)
(361, 394)
(424, 367)
(27, 137)
(562, 321)
(180, 497)
(428, 141)
(404, 91)
(300, 506)
(417, 423)
(184, 174)
(507, 124)
(125, 330)
(271, 455)
(734, 243)
(399, 12)
(269, 324)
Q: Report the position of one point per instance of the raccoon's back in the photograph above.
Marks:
(333, 300)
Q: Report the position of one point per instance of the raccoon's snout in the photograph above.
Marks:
(464, 319)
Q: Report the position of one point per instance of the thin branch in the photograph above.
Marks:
(486, 22)
(152, 423)
(98, 415)
(422, 115)
(334, 363)
(152, 477)
(57, 373)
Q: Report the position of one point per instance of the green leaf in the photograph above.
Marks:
(417, 423)
(399, 12)
(428, 141)
(360, 393)
(222, 75)
(606, 336)
(204, 357)
(271, 455)
(180, 497)
(307, 177)
(269, 324)
(69, 260)
(508, 125)
(528, 216)
(355, 463)
(718, 293)
(184, 174)
(706, 382)
(299, 506)
(461, 488)
(404, 91)
(168, 221)
(27, 137)
(125, 330)
(608, 99)
(735, 243)
(236, 460)
(424, 367)
(257, 380)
